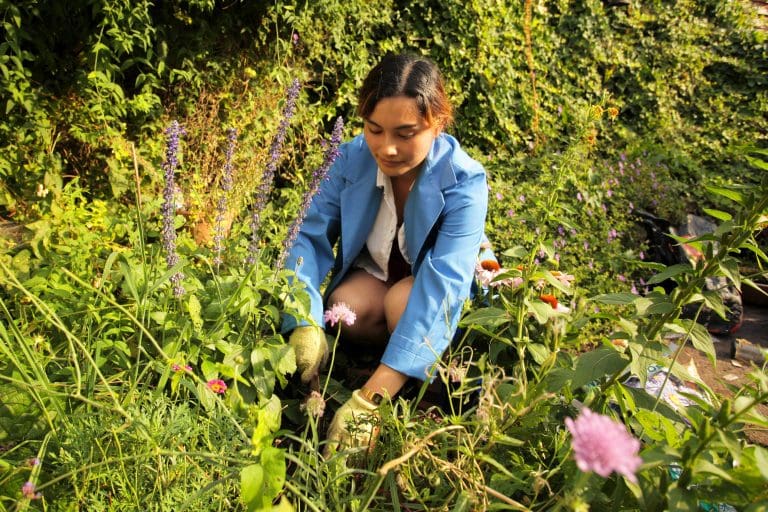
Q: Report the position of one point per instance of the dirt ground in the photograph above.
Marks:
(730, 370)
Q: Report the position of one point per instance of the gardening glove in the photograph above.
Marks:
(355, 424)
(311, 350)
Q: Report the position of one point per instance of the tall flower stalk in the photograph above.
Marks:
(331, 153)
(265, 186)
(221, 205)
(172, 133)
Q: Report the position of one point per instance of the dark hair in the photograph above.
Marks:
(407, 75)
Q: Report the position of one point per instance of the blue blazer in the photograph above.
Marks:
(444, 222)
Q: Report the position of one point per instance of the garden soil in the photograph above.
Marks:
(729, 370)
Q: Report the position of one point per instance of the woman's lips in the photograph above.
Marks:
(390, 163)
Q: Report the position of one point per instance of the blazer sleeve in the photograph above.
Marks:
(443, 281)
(311, 256)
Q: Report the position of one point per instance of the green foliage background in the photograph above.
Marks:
(82, 81)
(577, 109)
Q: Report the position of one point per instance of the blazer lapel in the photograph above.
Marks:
(359, 206)
(425, 202)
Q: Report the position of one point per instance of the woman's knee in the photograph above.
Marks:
(364, 294)
(395, 301)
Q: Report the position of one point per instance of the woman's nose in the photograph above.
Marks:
(390, 148)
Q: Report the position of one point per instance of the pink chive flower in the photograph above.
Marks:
(340, 312)
(314, 405)
(603, 445)
(218, 386)
(28, 490)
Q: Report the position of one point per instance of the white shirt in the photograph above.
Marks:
(381, 237)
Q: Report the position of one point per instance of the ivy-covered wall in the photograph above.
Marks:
(85, 83)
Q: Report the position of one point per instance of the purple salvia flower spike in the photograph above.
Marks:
(265, 186)
(226, 187)
(331, 153)
(173, 133)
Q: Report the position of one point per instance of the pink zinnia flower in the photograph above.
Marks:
(603, 445)
(340, 312)
(218, 386)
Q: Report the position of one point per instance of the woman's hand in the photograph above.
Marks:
(311, 350)
(356, 424)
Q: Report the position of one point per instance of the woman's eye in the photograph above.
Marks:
(407, 135)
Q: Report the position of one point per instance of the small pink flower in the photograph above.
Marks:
(603, 445)
(28, 490)
(314, 405)
(218, 386)
(340, 312)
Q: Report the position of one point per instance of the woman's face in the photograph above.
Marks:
(398, 136)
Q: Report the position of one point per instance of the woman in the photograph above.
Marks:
(409, 206)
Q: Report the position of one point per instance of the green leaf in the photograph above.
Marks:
(730, 268)
(273, 462)
(615, 298)
(758, 163)
(718, 214)
(726, 192)
(252, 486)
(193, 304)
(596, 364)
(541, 310)
(704, 466)
(539, 352)
(699, 337)
(670, 272)
(761, 457)
(517, 252)
(488, 317)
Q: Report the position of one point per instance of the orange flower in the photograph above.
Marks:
(490, 265)
(613, 112)
(549, 299)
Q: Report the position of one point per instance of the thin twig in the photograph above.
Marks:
(509, 501)
(389, 466)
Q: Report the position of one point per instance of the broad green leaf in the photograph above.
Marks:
(714, 301)
(517, 252)
(704, 466)
(718, 214)
(542, 311)
(273, 462)
(489, 317)
(761, 457)
(642, 304)
(755, 249)
(261, 438)
(539, 352)
(758, 163)
(703, 341)
(670, 272)
(681, 500)
(730, 268)
(615, 298)
(193, 304)
(596, 364)
(661, 306)
(733, 195)
(252, 486)
(556, 380)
